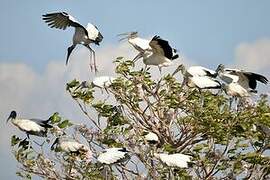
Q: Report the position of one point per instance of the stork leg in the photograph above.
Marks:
(92, 52)
(145, 68)
(70, 49)
(159, 68)
(231, 101)
(201, 97)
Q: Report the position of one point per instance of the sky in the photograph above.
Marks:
(32, 56)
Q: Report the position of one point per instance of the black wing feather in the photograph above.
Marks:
(253, 78)
(61, 20)
(167, 49)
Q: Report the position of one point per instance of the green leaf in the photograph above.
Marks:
(55, 118)
(64, 124)
(72, 84)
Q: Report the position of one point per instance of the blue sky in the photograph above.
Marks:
(207, 31)
(32, 56)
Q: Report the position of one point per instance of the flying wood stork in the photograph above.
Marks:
(174, 160)
(113, 155)
(35, 127)
(82, 35)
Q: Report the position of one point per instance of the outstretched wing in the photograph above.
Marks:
(253, 78)
(161, 47)
(61, 20)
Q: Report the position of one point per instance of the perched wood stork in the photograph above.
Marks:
(35, 127)
(247, 80)
(82, 35)
(174, 160)
(151, 138)
(68, 145)
(113, 155)
(239, 83)
(140, 44)
(199, 77)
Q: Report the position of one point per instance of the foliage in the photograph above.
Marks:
(221, 139)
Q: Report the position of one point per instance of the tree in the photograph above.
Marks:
(224, 142)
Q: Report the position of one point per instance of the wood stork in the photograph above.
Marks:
(239, 83)
(35, 127)
(113, 155)
(161, 54)
(199, 77)
(248, 80)
(68, 145)
(82, 35)
(151, 138)
(140, 44)
(174, 160)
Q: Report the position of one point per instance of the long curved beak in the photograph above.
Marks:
(126, 35)
(8, 119)
(123, 34)
(124, 38)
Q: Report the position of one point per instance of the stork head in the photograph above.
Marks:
(220, 68)
(128, 35)
(12, 115)
(181, 68)
(98, 39)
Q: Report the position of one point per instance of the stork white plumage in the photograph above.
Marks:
(174, 160)
(82, 35)
(151, 138)
(113, 155)
(140, 44)
(35, 127)
(103, 81)
(234, 89)
(68, 145)
(161, 55)
(200, 71)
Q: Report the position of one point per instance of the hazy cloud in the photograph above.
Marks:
(254, 56)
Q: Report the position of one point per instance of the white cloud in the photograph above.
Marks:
(254, 56)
